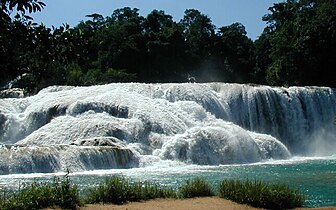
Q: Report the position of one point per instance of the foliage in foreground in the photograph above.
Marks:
(197, 187)
(59, 193)
(118, 190)
(262, 195)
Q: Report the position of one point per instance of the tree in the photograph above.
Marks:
(302, 38)
(262, 57)
(15, 31)
(165, 47)
(199, 33)
(236, 53)
(20, 7)
(121, 44)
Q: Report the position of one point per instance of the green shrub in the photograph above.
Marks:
(38, 195)
(197, 187)
(262, 195)
(118, 190)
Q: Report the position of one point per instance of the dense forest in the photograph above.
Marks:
(297, 47)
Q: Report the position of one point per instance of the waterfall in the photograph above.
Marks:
(48, 159)
(299, 117)
(124, 125)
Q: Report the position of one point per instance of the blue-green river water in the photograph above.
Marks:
(314, 177)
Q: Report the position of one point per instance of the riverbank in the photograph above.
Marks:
(209, 203)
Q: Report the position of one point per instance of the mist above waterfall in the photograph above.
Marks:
(322, 143)
(206, 123)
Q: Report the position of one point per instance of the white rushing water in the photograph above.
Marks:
(135, 125)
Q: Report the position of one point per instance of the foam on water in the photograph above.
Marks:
(204, 124)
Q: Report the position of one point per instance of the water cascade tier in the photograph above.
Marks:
(125, 125)
(48, 159)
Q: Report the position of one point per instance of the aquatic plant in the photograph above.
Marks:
(61, 193)
(260, 194)
(118, 190)
(197, 187)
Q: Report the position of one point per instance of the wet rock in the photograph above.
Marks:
(12, 93)
(99, 141)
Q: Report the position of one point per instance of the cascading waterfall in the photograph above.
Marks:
(48, 159)
(300, 117)
(126, 125)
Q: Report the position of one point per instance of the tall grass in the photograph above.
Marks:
(118, 190)
(260, 194)
(59, 193)
(197, 187)
(62, 193)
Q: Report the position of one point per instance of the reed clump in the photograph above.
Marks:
(260, 194)
(197, 187)
(118, 190)
(60, 193)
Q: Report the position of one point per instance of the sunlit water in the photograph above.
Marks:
(315, 177)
